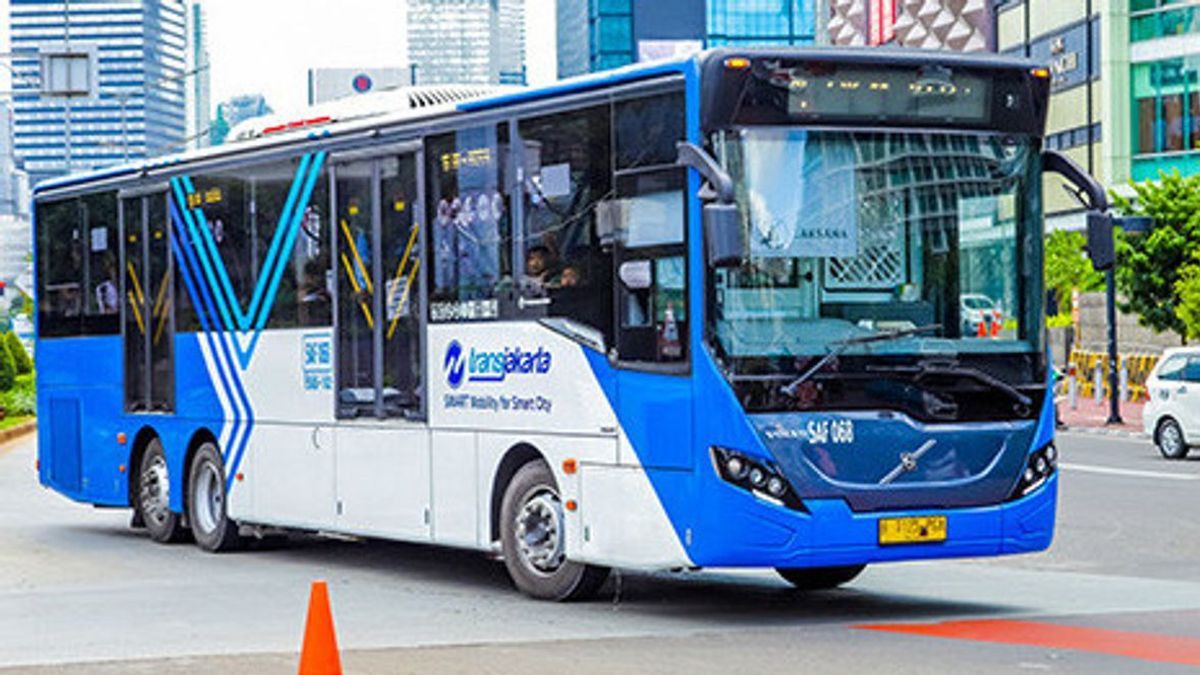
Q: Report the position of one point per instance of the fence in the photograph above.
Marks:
(1090, 372)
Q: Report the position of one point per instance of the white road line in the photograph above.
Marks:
(1133, 473)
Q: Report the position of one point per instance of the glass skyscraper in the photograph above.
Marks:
(601, 34)
(140, 109)
(467, 41)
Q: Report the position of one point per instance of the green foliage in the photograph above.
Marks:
(20, 358)
(1188, 289)
(21, 400)
(1151, 266)
(8, 370)
(1068, 268)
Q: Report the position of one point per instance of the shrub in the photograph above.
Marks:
(8, 371)
(20, 358)
(21, 399)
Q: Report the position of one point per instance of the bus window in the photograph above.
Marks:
(101, 262)
(647, 129)
(470, 224)
(60, 298)
(568, 174)
(649, 225)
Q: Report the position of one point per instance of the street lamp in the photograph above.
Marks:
(1132, 225)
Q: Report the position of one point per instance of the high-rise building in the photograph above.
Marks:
(467, 41)
(139, 108)
(200, 82)
(601, 34)
(956, 25)
(16, 239)
(235, 111)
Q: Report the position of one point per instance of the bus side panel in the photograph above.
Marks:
(80, 405)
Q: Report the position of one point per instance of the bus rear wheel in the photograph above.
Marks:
(533, 538)
(211, 526)
(154, 496)
(819, 578)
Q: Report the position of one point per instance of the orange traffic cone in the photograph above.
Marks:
(319, 655)
(981, 330)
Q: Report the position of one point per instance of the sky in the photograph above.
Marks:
(267, 46)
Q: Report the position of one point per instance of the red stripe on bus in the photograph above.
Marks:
(1143, 646)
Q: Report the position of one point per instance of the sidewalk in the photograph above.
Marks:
(1090, 416)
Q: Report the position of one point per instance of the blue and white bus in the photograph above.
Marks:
(697, 313)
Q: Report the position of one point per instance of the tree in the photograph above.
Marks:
(1068, 267)
(8, 371)
(1188, 289)
(1151, 266)
(20, 358)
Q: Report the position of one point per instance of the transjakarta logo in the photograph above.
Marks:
(493, 366)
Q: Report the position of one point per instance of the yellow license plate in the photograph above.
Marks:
(914, 530)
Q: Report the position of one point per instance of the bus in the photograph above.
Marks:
(694, 313)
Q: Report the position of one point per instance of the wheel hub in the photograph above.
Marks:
(155, 491)
(539, 532)
(210, 499)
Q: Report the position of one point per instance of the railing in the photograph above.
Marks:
(1090, 369)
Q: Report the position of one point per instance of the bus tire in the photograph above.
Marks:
(154, 496)
(211, 527)
(1169, 439)
(533, 538)
(819, 578)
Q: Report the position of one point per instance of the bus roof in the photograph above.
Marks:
(470, 99)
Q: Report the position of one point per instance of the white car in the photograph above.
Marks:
(1172, 415)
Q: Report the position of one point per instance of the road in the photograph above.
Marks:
(81, 593)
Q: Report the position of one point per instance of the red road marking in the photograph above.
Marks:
(1144, 646)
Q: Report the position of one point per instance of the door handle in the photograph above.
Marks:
(523, 302)
(316, 441)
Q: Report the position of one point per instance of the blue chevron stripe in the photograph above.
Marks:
(208, 250)
(282, 233)
(293, 230)
(195, 240)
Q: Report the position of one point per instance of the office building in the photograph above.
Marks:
(235, 111)
(328, 84)
(597, 35)
(199, 84)
(15, 233)
(956, 25)
(466, 41)
(137, 110)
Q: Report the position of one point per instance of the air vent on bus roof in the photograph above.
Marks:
(363, 106)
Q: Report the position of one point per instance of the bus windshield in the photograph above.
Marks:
(857, 233)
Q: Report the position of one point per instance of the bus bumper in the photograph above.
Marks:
(831, 534)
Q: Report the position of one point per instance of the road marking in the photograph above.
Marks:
(1132, 473)
(1142, 646)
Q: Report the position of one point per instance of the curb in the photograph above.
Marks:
(20, 430)
(1103, 431)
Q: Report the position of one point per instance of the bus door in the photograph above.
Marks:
(147, 290)
(382, 445)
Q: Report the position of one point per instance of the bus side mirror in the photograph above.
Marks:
(1091, 194)
(1100, 246)
(722, 223)
(723, 235)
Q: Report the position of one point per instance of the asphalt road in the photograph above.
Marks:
(81, 593)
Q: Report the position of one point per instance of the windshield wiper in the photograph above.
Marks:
(841, 346)
(930, 368)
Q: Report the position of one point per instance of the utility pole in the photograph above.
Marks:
(67, 99)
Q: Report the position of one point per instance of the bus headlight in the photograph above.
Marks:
(758, 477)
(1038, 468)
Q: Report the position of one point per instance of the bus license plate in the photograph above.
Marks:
(914, 530)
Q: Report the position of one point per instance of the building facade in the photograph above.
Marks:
(1086, 45)
(139, 106)
(16, 241)
(329, 84)
(597, 35)
(466, 41)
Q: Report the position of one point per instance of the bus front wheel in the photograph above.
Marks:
(154, 496)
(819, 578)
(533, 538)
(211, 527)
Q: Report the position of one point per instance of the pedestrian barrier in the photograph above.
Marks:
(319, 653)
(1089, 370)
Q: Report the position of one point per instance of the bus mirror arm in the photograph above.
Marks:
(1100, 246)
(694, 156)
(724, 245)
